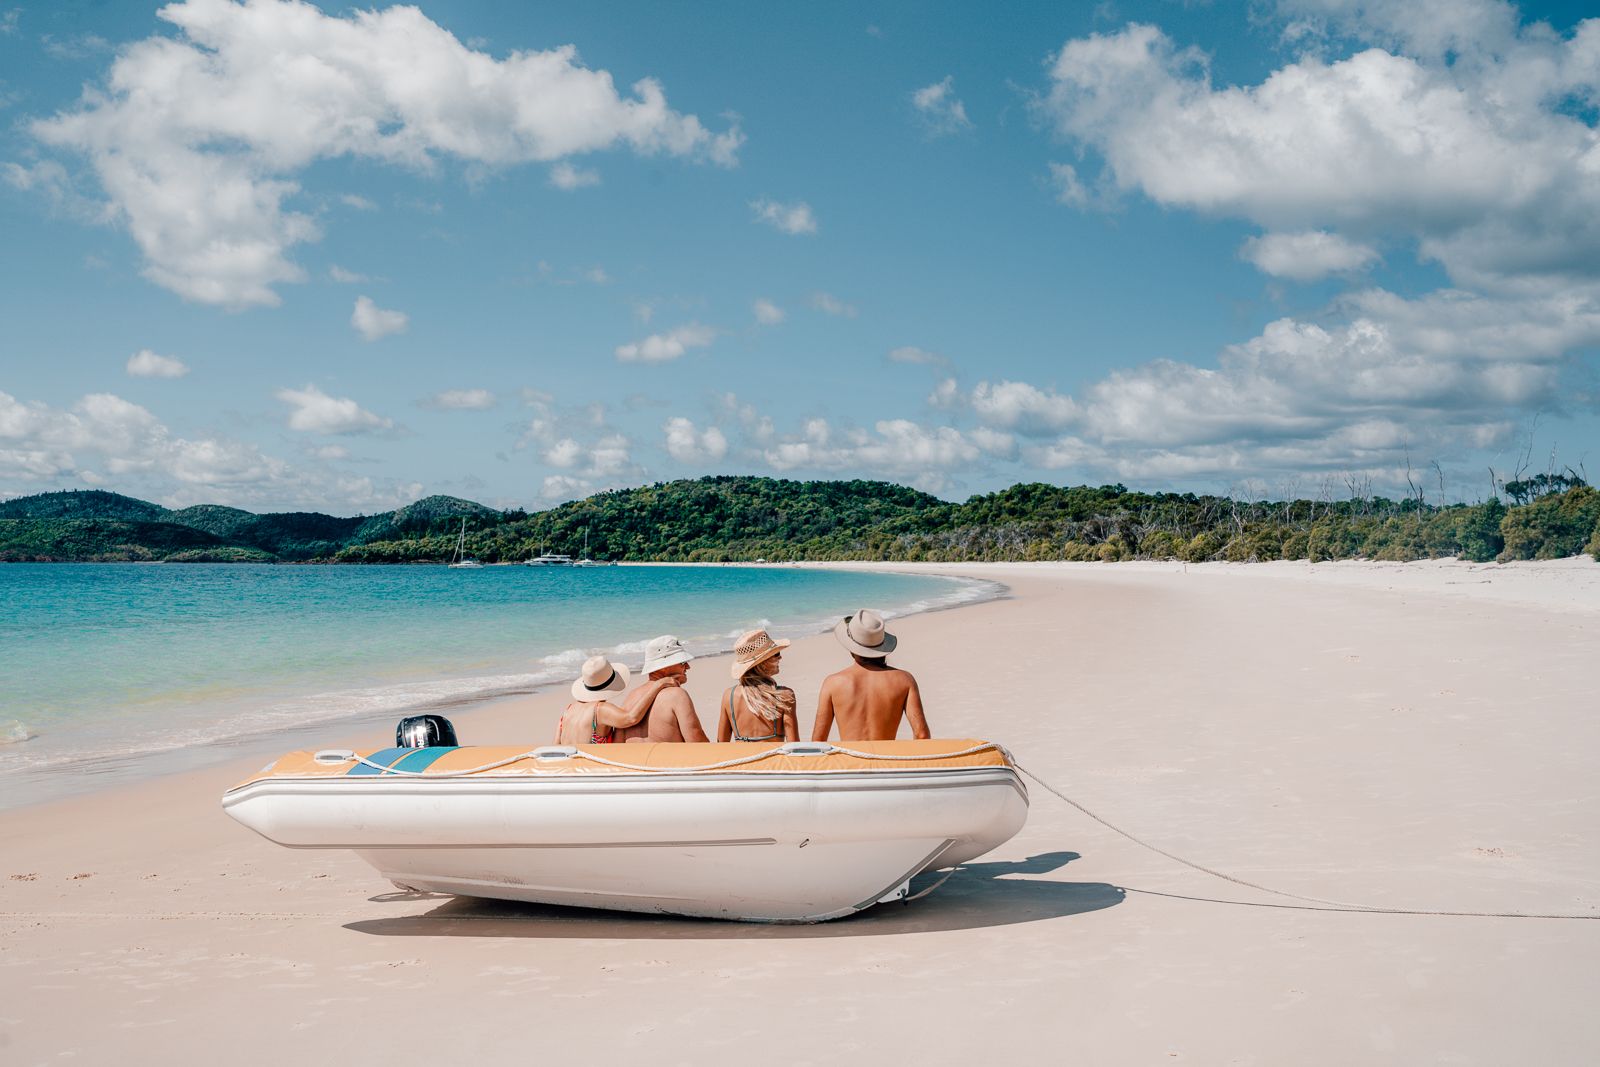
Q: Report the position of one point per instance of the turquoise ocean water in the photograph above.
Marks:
(115, 671)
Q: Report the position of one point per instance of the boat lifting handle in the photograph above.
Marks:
(330, 757)
(806, 748)
(555, 752)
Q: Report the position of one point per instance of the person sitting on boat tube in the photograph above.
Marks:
(671, 715)
(756, 707)
(591, 719)
(868, 698)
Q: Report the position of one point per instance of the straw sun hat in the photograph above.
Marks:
(600, 676)
(755, 647)
(863, 634)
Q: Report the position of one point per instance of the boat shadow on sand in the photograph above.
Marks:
(975, 896)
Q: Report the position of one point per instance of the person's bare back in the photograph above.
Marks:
(867, 701)
(671, 718)
(868, 698)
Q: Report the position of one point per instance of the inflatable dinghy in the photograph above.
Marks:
(797, 832)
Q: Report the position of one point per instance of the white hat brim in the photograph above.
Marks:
(672, 659)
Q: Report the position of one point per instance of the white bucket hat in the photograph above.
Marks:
(664, 651)
(863, 634)
(600, 676)
(755, 647)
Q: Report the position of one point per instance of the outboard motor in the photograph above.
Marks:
(424, 731)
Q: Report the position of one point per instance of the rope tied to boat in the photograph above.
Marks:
(555, 752)
(1325, 905)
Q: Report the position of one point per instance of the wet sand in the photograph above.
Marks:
(1417, 736)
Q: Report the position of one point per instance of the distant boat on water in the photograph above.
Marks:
(586, 561)
(461, 559)
(549, 559)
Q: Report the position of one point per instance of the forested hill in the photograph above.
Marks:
(747, 518)
(97, 525)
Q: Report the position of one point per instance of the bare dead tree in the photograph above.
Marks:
(1439, 472)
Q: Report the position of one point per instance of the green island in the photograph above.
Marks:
(733, 519)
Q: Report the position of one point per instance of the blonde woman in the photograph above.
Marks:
(756, 707)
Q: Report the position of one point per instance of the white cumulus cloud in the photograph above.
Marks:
(661, 347)
(939, 110)
(1461, 137)
(146, 364)
(829, 304)
(461, 400)
(198, 139)
(313, 411)
(688, 444)
(920, 356)
(1306, 256)
(766, 312)
(795, 218)
(566, 176)
(374, 322)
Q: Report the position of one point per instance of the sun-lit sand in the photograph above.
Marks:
(1417, 736)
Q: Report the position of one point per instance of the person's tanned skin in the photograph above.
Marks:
(671, 715)
(867, 700)
(574, 726)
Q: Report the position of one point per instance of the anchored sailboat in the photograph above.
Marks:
(461, 559)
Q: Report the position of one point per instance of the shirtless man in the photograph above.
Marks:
(671, 715)
(591, 719)
(868, 698)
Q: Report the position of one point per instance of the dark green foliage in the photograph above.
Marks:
(1525, 490)
(213, 518)
(1479, 531)
(745, 518)
(92, 540)
(83, 504)
(1551, 527)
(221, 554)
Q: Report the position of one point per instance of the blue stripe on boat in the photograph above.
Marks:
(401, 759)
(387, 757)
(422, 758)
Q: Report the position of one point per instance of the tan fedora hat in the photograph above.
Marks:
(600, 676)
(863, 634)
(755, 647)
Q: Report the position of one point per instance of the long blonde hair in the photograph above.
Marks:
(761, 693)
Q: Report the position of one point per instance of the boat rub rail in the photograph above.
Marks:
(663, 757)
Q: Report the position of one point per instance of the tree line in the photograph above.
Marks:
(737, 518)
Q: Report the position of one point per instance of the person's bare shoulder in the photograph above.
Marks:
(675, 699)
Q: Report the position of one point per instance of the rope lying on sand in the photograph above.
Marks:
(822, 748)
(1326, 905)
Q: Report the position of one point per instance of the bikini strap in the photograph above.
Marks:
(733, 716)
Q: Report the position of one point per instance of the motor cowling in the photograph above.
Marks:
(425, 731)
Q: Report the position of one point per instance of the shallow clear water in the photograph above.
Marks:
(112, 665)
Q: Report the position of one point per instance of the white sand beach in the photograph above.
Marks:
(1413, 736)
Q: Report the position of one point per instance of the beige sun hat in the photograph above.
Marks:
(664, 651)
(755, 647)
(863, 634)
(600, 676)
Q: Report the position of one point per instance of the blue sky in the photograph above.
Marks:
(281, 256)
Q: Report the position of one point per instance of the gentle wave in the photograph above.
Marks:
(14, 732)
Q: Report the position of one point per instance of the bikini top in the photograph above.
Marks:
(733, 718)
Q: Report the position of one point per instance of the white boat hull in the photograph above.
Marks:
(783, 847)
